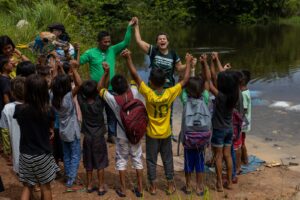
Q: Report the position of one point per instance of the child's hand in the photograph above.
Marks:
(126, 54)
(74, 65)
(105, 67)
(188, 58)
(133, 21)
(227, 66)
(203, 58)
(214, 55)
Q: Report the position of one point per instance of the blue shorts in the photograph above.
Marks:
(222, 137)
(193, 159)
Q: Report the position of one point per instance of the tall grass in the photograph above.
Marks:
(39, 14)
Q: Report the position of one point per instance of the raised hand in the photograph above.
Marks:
(227, 66)
(188, 58)
(133, 21)
(203, 58)
(126, 53)
(214, 55)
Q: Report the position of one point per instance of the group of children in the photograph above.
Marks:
(46, 107)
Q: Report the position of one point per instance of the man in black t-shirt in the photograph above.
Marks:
(161, 57)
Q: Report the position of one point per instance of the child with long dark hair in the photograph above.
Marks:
(68, 123)
(37, 165)
(95, 154)
(226, 92)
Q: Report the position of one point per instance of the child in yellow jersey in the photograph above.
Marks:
(158, 105)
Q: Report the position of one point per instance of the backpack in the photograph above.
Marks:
(133, 116)
(196, 124)
(237, 122)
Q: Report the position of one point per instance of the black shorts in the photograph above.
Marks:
(94, 152)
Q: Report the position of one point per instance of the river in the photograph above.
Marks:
(271, 53)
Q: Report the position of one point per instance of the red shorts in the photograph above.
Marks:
(237, 142)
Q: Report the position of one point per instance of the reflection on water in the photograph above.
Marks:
(271, 53)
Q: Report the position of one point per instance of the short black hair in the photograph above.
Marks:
(66, 67)
(43, 70)
(5, 40)
(157, 77)
(247, 76)
(101, 35)
(119, 84)
(18, 87)
(3, 61)
(25, 68)
(162, 33)
(194, 87)
(89, 89)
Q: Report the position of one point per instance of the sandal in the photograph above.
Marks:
(185, 190)
(219, 188)
(137, 193)
(120, 193)
(152, 190)
(91, 190)
(103, 192)
(170, 192)
(225, 185)
(200, 191)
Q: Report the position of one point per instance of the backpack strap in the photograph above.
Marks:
(124, 98)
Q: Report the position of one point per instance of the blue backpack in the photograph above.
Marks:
(196, 124)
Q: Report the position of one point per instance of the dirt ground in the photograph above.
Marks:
(268, 183)
(273, 138)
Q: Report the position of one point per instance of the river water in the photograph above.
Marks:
(271, 53)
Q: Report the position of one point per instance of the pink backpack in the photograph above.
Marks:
(133, 115)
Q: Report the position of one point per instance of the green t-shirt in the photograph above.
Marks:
(184, 96)
(95, 56)
(165, 62)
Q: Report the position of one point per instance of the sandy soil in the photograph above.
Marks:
(267, 183)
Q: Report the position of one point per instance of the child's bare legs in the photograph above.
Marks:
(89, 177)
(188, 181)
(26, 192)
(199, 182)
(100, 173)
(238, 160)
(244, 150)
(218, 154)
(139, 175)
(122, 180)
(228, 161)
(46, 191)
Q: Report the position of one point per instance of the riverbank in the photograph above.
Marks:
(279, 182)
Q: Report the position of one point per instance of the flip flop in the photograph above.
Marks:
(171, 192)
(225, 185)
(200, 194)
(120, 193)
(152, 192)
(184, 189)
(137, 193)
(101, 193)
(91, 190)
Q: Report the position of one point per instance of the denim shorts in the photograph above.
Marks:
(222, 137)
(194, 160)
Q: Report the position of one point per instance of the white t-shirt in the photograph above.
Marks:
(110, 100)
(7, 121)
